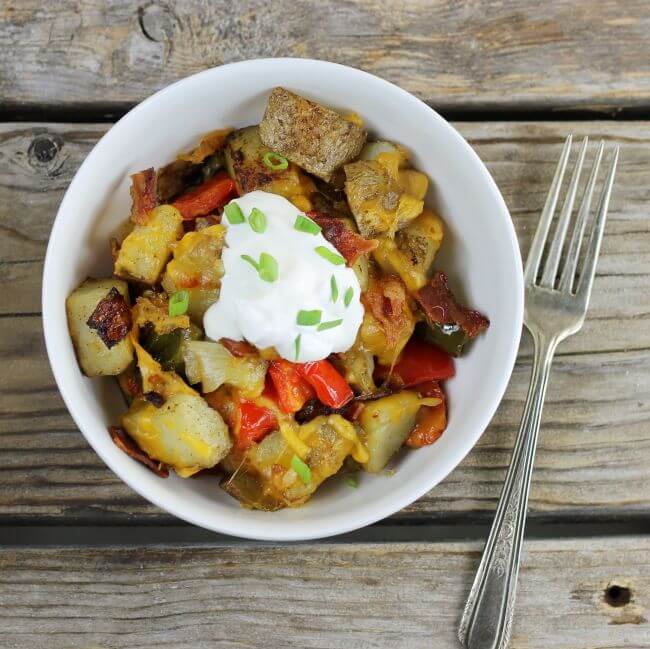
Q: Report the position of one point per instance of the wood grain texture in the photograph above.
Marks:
(453, 54)
(388, 596)
(594, 453)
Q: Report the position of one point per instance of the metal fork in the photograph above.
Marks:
(557, 297)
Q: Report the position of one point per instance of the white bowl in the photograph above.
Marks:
(480, 254)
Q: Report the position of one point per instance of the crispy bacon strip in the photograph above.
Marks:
(111, 318)
(440, 307)
(124, 442)
(210, 143)
(350, 244)
(143, 195)
(238, 347)
(430, 425)
(385, 298)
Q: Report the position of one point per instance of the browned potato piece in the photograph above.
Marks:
(314, 137)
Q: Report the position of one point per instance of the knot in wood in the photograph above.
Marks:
(157, 22)
(617, 596)
(43, 150)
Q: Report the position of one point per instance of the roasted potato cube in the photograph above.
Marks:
(184, 432)
(413, 250)
(387, 423)
(145, 251)
(95, 357)
(309, 134)
(245, 163)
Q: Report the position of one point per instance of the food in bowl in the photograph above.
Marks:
(273, 315)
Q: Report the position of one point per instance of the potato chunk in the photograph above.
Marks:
(95, 357)
(309, 134)
(387, 423)
(184, 433)
(145, 251)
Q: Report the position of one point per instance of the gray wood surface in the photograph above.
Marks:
(402, 596)
(594, 454)
(455, 54)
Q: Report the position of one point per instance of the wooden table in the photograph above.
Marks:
(87, 563)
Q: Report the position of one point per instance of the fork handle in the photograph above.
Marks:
(487, 619)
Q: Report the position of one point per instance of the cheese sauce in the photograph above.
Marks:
(284, 284)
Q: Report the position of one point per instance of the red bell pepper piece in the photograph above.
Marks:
(421, 362)
(292, 390)
(207, 197)
(331, 388)
(256, 421)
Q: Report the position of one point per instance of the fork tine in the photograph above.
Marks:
(553, 258)
(573, 254)
(589, 270)
(537, 247)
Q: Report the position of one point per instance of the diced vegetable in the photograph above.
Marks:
(413, 250)
(249, 490)
(329, 441)
(372, 150)
(421, 362)
(205, 198)
(184, 432)
(330, 387)
(167, 348)
(256, 421)
(196, 266)
(387, 423)
(430, 424)
(245, 162)
(358, 366)
(95, 358)
(291, 388)
(145, 251)
(309, 134)
(212, 365)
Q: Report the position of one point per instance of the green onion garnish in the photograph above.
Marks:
(257, 220)
(308, 318)
(303, 471)
(178, 303)
(234, 214)
(330, 256)
(329, 325)
(251, 261)
(347, 298)
(275, 161)
(352, 481)
(335, 289)
(268, 267)
(296, 344)
(305, 224)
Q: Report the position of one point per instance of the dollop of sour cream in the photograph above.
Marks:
(284, 284)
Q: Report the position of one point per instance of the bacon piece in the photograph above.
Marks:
(143, 195)
(111, 318)
(124, 442)
(430, 424)
(440, 307)
(385, 298)
(350, 244)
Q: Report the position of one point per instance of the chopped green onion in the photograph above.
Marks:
(305, 224)
(303, 471)
(178, 303)
(330, 256)
(352, 481)
(233, 213)
(335, 289)
(268, 267)
(251, 261)
(308, 318)
(329, 325)
(347, 298)
(296, 344)
(257, 220)
(275, 161)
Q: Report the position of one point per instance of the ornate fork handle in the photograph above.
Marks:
(488, 614)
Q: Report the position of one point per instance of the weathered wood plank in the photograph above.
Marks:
(453, 54)
(594, 454)
(573, 594)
